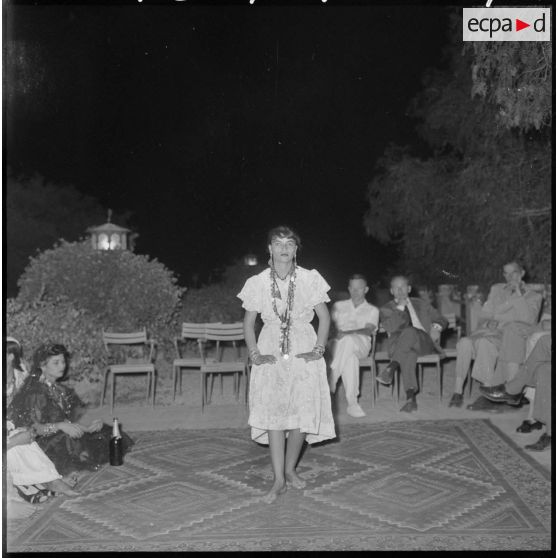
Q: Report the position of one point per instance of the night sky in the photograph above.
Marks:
(213, 124)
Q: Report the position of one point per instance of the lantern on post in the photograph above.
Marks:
(110, 236)
(250, 260)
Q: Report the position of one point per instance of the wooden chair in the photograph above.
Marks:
(132, 365)
(224, 333)
(189, 331)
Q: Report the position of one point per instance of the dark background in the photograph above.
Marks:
(213, 124)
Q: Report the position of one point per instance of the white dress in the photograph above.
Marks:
(291, 393)
(26, 464)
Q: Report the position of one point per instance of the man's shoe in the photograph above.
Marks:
(410, 406)
(386, 376)
(541, 444)
(527, 426)
(483, 404)
(456, 400)
(496, 394)
(355, 411)
(488, 390)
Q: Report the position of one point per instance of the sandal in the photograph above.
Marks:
(527, 426)
(34, 495)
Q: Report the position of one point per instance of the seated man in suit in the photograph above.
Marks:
(413, 326)
(356, 320)
(510, 308)
(537, 373)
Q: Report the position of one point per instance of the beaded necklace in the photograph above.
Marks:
(285, 317)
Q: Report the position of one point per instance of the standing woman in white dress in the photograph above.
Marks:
(289, 391)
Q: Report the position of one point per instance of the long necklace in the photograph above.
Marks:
(285, 316)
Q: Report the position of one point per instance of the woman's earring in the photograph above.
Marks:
(270, 261)
(294, 259)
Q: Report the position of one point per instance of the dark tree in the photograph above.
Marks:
(483, 194)
(38, 214)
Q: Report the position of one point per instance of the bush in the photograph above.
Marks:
(213, 303)
(60, 322)
(69, 293)
(122, 290)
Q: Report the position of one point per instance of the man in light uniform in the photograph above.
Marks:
(356, 320)
(511, 308)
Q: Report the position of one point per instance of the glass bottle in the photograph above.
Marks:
(115, 445)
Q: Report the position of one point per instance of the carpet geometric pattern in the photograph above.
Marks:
(421, 485)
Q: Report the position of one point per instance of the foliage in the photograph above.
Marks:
(481, 198)
(235, 275)
(61, 322)
(38, 213)
(218, 302)
(122, 290)
(517, 78)
(212, 303)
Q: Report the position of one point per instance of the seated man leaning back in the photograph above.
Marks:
(512, 308)
(414, 327)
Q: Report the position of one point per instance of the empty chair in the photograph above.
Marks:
(190, 331)
(137, 363)
(221, 334)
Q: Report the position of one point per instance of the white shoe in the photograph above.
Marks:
(355, 411)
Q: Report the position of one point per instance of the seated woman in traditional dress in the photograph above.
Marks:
(289, 391)
(29, 470)
(54, 411)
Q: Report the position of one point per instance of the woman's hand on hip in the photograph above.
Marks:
(312, 355)
(263, 359)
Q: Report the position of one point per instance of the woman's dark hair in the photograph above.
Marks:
(14, 348)
(44, 352)
(285, 232)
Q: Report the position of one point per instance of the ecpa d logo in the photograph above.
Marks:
(506, 24)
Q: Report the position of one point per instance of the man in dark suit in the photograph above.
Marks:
(413, 326)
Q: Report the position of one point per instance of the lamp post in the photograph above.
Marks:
(110, 236)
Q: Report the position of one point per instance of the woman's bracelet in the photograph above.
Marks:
(254, 353)
(319, 349)
(49, 429)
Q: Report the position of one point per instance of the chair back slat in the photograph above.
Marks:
(113, 338)
(193, 331)
(196, 330)
(224, 332)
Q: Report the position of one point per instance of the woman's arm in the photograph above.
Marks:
(249, 331)
(250, 337)
(49, 428)
(324, 320)
(323, 330)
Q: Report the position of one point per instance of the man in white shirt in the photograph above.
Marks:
(356, 320)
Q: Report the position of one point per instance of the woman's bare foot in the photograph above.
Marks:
(294, 480)
(72, 479)
(60, 487)
(277, 489)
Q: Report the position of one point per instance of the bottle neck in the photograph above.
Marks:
(115, 429)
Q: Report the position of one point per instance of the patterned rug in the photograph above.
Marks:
(428, 485)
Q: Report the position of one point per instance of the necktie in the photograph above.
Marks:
(406, 310)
